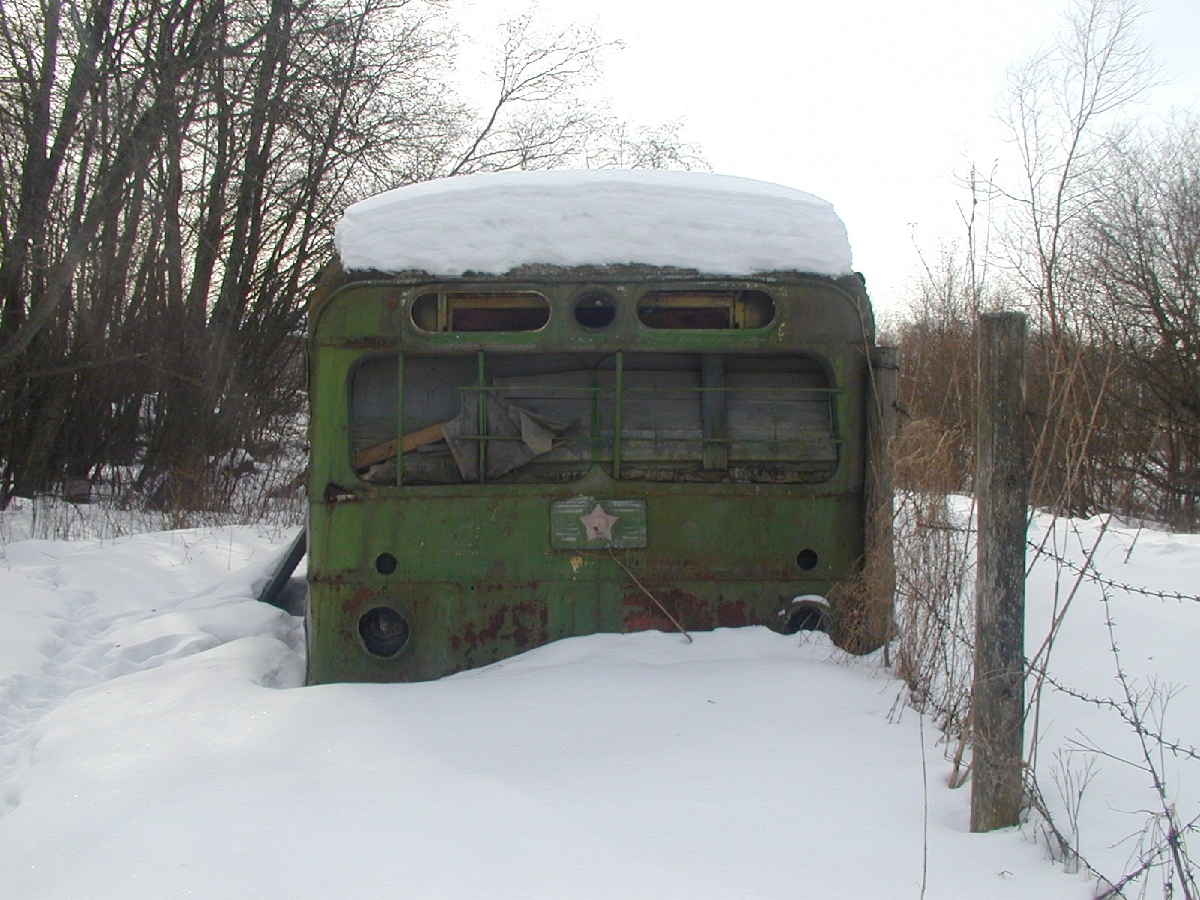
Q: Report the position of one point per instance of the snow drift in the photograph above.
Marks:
(492, 223)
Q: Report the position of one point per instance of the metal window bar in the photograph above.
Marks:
(619, 393)
(399, 420)
(615, 398)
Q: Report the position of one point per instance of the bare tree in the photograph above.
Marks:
(1063, 109)
(169, 177)
(1143, 247)
(536, 118)
(1059, 107)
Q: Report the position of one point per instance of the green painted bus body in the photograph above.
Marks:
(478, 572)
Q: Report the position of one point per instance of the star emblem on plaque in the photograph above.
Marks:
(598, 524)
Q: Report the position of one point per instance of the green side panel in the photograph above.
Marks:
(479, 578)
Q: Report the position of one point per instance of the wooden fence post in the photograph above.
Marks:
(1002, 494)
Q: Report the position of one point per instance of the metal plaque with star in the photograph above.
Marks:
(584, 523)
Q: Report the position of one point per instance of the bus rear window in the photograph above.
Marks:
(701, 309)
(669, 417)
(492, 311)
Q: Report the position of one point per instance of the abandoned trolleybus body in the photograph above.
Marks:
(609, 433)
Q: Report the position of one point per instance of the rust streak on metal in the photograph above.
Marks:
(735, 614)
(694, 613)
(524, 625)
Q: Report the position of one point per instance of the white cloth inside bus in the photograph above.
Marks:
(514, 437)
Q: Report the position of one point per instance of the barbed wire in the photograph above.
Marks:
(1099, 579)
(1140, 710)
(1089, 574)
(1131, 717)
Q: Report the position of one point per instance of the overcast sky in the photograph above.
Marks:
(874, 105)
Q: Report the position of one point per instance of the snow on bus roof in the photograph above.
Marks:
(495, 222)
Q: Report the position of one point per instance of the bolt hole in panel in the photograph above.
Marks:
(807, 559)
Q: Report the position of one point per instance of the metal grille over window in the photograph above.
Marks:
(665, 417)
(374, 398)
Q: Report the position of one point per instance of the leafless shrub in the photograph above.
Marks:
(934, 568)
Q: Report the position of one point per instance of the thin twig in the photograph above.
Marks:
(924, 808)
(646, 591)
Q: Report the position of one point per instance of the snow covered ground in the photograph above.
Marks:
(155, 742)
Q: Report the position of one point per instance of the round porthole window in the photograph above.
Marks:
(595, 309)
